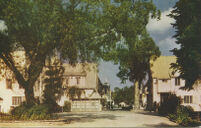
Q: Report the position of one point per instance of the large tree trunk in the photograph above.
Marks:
(150, 91)
(136, 96)
(29, 95)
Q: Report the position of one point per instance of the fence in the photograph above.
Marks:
(5, 116)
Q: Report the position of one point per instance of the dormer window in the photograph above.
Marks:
(177, 81)
(8, 83)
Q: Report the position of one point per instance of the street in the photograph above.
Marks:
(99, 119)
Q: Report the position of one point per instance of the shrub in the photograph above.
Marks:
(182, 116)
(170, 105)
(36, 112)
(54, 108)
(18, 111)
(67, 106)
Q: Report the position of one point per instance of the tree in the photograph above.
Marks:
(117, 95)
(188, 21)
(149, 86)
(123, 95)
(41, 27)
(53, 85)
(135, 47)
(74, 92)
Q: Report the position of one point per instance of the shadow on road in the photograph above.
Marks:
(84, 117)
(160, 125)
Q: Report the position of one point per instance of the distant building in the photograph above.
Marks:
(81, 76)
(165, 83)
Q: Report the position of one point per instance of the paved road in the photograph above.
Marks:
(100, 119)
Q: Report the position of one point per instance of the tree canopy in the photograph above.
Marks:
(41, 27)
(135, 47)
(123, 95)
(78, 31)
(188, 34)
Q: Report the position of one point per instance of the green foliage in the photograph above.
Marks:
(182, 116)
(103, 88)
(132, 47)
(81, 30)
(173, 109)
(74, 92)
(123, 95)
(27, 112)
(39, 27)
(18, 111)
(135, 46)
(53, 86)
(170, 105)
(188, 19)
(67, 106)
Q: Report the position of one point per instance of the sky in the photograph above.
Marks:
(161, 31)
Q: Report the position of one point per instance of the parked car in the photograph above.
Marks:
(127, 108)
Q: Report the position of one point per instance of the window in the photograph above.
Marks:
(177, 81)
(8, 83)
(16, 100)
(78, 80)
(188, 99)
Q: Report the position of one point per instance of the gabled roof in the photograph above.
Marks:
(94, 95)
(161, 67)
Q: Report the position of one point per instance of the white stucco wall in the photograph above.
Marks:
(170, 87)
(7, 94)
